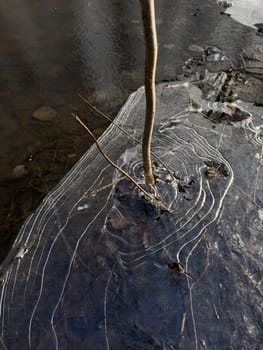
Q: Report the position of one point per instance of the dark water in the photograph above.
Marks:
(51, 50)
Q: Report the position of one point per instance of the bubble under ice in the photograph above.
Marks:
(101, 277)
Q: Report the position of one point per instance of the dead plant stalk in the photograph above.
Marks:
(151, 50)
(114, 165)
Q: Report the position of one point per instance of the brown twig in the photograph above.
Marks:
(147, 194)
(150, 36)
(109, 118)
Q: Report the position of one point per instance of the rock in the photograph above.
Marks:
(196, 48)
(45, 114)
(19, 171)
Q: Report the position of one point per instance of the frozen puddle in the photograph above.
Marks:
(99, 267)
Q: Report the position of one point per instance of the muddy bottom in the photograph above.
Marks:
(46, 148)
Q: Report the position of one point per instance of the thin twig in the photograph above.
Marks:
(105, 115)
(150, 36)
(110, 119)
(147, 194)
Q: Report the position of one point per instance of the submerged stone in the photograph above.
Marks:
(19, 171)
(45, 114)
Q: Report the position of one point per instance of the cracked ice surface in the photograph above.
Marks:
(90, 268)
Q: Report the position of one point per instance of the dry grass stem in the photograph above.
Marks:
(123, 172)
(151, 49)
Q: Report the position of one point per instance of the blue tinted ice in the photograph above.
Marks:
(98, 266)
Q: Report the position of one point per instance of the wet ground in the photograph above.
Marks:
(50, 52)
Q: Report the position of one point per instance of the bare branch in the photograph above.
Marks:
(150, 36)
(147, 194)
